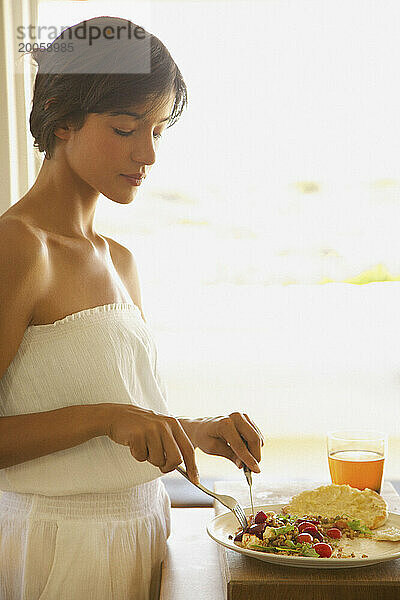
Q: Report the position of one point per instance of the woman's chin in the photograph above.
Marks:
(121, 198)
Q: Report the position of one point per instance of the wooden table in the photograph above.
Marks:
(191, 570)
(196, 567)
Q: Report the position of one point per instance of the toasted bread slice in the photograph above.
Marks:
(333, 500)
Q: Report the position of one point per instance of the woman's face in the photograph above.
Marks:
(109, 147)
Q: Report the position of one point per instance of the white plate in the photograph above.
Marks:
(226, 524)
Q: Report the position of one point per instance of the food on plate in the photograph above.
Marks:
(310, 535)
(320, 523)
(331, 500)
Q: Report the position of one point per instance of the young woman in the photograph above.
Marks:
(85, 431)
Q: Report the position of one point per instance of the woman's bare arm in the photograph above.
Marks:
(23, 279)
(29, 436)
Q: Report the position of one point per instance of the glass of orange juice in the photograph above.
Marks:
(357, 457)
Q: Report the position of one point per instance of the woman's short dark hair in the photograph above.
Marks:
(61, 96)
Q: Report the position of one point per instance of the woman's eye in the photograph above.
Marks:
(120, 132)
(156, 136)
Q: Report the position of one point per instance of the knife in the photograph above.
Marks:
(249, 478)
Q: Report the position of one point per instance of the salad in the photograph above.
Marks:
(312, 536)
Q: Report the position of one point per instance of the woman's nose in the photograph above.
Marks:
(144, 151)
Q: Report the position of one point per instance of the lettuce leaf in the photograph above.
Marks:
(355, 525)
(310, 552)
(286, 518)
(274, 548)
(284, 529)
(299, 550)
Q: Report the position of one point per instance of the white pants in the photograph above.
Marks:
(84, 547)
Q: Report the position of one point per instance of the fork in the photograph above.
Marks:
(227, 501)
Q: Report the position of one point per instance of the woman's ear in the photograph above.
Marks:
(63, 132)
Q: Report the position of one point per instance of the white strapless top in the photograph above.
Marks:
(100, 354)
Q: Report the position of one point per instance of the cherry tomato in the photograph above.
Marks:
(334, 532)
(304, 538)
(260, 517)
(306, 527)
(324, 550)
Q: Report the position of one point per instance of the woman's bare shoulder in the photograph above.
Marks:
(125, 264)
(24, 256)
(23, 280)
(116, 247)
(18, 235)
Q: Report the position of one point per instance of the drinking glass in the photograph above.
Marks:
(357, 457)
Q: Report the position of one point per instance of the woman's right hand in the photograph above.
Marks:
(155, 437)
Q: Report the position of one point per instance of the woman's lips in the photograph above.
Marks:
(133, 180)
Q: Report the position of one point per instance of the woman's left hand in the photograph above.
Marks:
(226, 436)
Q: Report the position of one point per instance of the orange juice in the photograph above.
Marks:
(359, 468)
